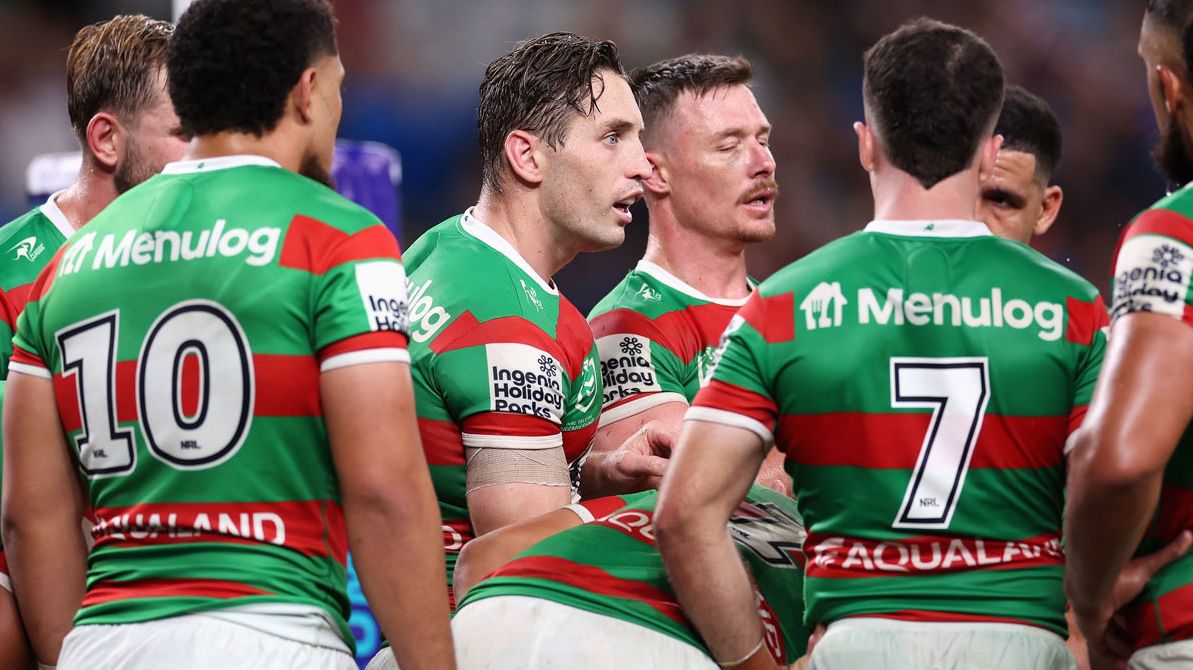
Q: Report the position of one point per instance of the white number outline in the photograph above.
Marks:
(938, 403)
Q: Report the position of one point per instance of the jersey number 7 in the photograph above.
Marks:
(957, 390)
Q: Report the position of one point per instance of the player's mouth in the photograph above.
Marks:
(760, 201)
(622, 207)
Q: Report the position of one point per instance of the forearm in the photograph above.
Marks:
(1105, 524)
(593, 482)
(48, 566)
(397, 548)
(712, 586)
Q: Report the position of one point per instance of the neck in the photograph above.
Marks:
(516, 219)
(712, 265)
(898, 196)
(277, 145)
(91, 191)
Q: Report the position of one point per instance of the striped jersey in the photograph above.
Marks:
(921, 378)
(1151, 274)
(610, 566)
(26, 246)
(185, 330)
(656, 336)
(500, 360)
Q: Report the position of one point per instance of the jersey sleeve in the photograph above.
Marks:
(359, 307)
(740, 391)
(9, 312)
(505, 395)
(31, 352)
(638, 368)
(1088, 325)
(1153, 267)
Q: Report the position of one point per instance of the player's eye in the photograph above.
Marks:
(611, 138)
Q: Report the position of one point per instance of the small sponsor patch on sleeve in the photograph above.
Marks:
(626, 367)
(382, 287)
(524, 380)
(1152, 275)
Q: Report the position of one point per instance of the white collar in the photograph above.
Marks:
(680, 285)
(930, 228)
(54, 213)
(217, 163)
(477, 228)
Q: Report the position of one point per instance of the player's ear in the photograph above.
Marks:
(523, 152)
(988, 156)
(1172, 88)
(865, 146)
(658, 182)
(105, 139)
(1050, 208)
(303, 94)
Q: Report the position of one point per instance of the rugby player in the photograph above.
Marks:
(710, 194)
(921, 377)
(1131, 484)
(126, 126)
(505, 370)
(1018, 200)
(220, 358)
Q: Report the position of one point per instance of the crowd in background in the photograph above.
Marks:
(414, 65)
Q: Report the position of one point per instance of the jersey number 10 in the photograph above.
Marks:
(202, 438)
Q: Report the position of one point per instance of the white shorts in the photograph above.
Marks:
(191, 642)
(521, 633)
(1167, 656)
(888, 644)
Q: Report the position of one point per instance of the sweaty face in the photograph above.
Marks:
(593, 176)
(715, 150)
(326, 108)
(154, 138)
(1011, 199)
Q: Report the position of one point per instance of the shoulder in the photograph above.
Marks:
(22, 226)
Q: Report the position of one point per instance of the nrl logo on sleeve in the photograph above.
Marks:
(587, 386)
(382, 286)
(626, 367)
(524, 380)
(28, 248)
(1152, 276)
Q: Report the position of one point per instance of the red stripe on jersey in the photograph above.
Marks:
(466, 331)
(1160, 222)
(574, 337)
(456, 534)
(3, 563)
(508, 423)
(836, 557)
(110, 591)
(382, 339)
(19, 355)
(732, 398)
(1077, 417)
(684, 332)
(1085, 319)
(1173, 514)
(1166, 619)
(894, 441)
(310, 527)
(12, 303)
(948, 617)
(602, 507)
(594, 580)
(286, 386)
(315, 247)
(773, 317)
(441, 442)
(576, 442)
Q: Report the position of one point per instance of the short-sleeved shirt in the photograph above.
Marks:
(610, 566)
(922, 378)
(26, 245)
(1152, 274)
(185, 331)
(656, 336)
(500, 360)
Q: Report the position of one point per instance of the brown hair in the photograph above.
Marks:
(657, 86)
(535, 87)
(112, 66)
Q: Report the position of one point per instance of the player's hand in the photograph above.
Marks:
(1109, 644)
(638, 464)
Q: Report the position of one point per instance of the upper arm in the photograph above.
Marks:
(39, 479)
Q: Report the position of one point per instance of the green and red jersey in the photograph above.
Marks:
(26, 246)
(656, 336)
(1152, 274)
(500, 360)
(921, 378)
(610, 566)
(185, 331)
